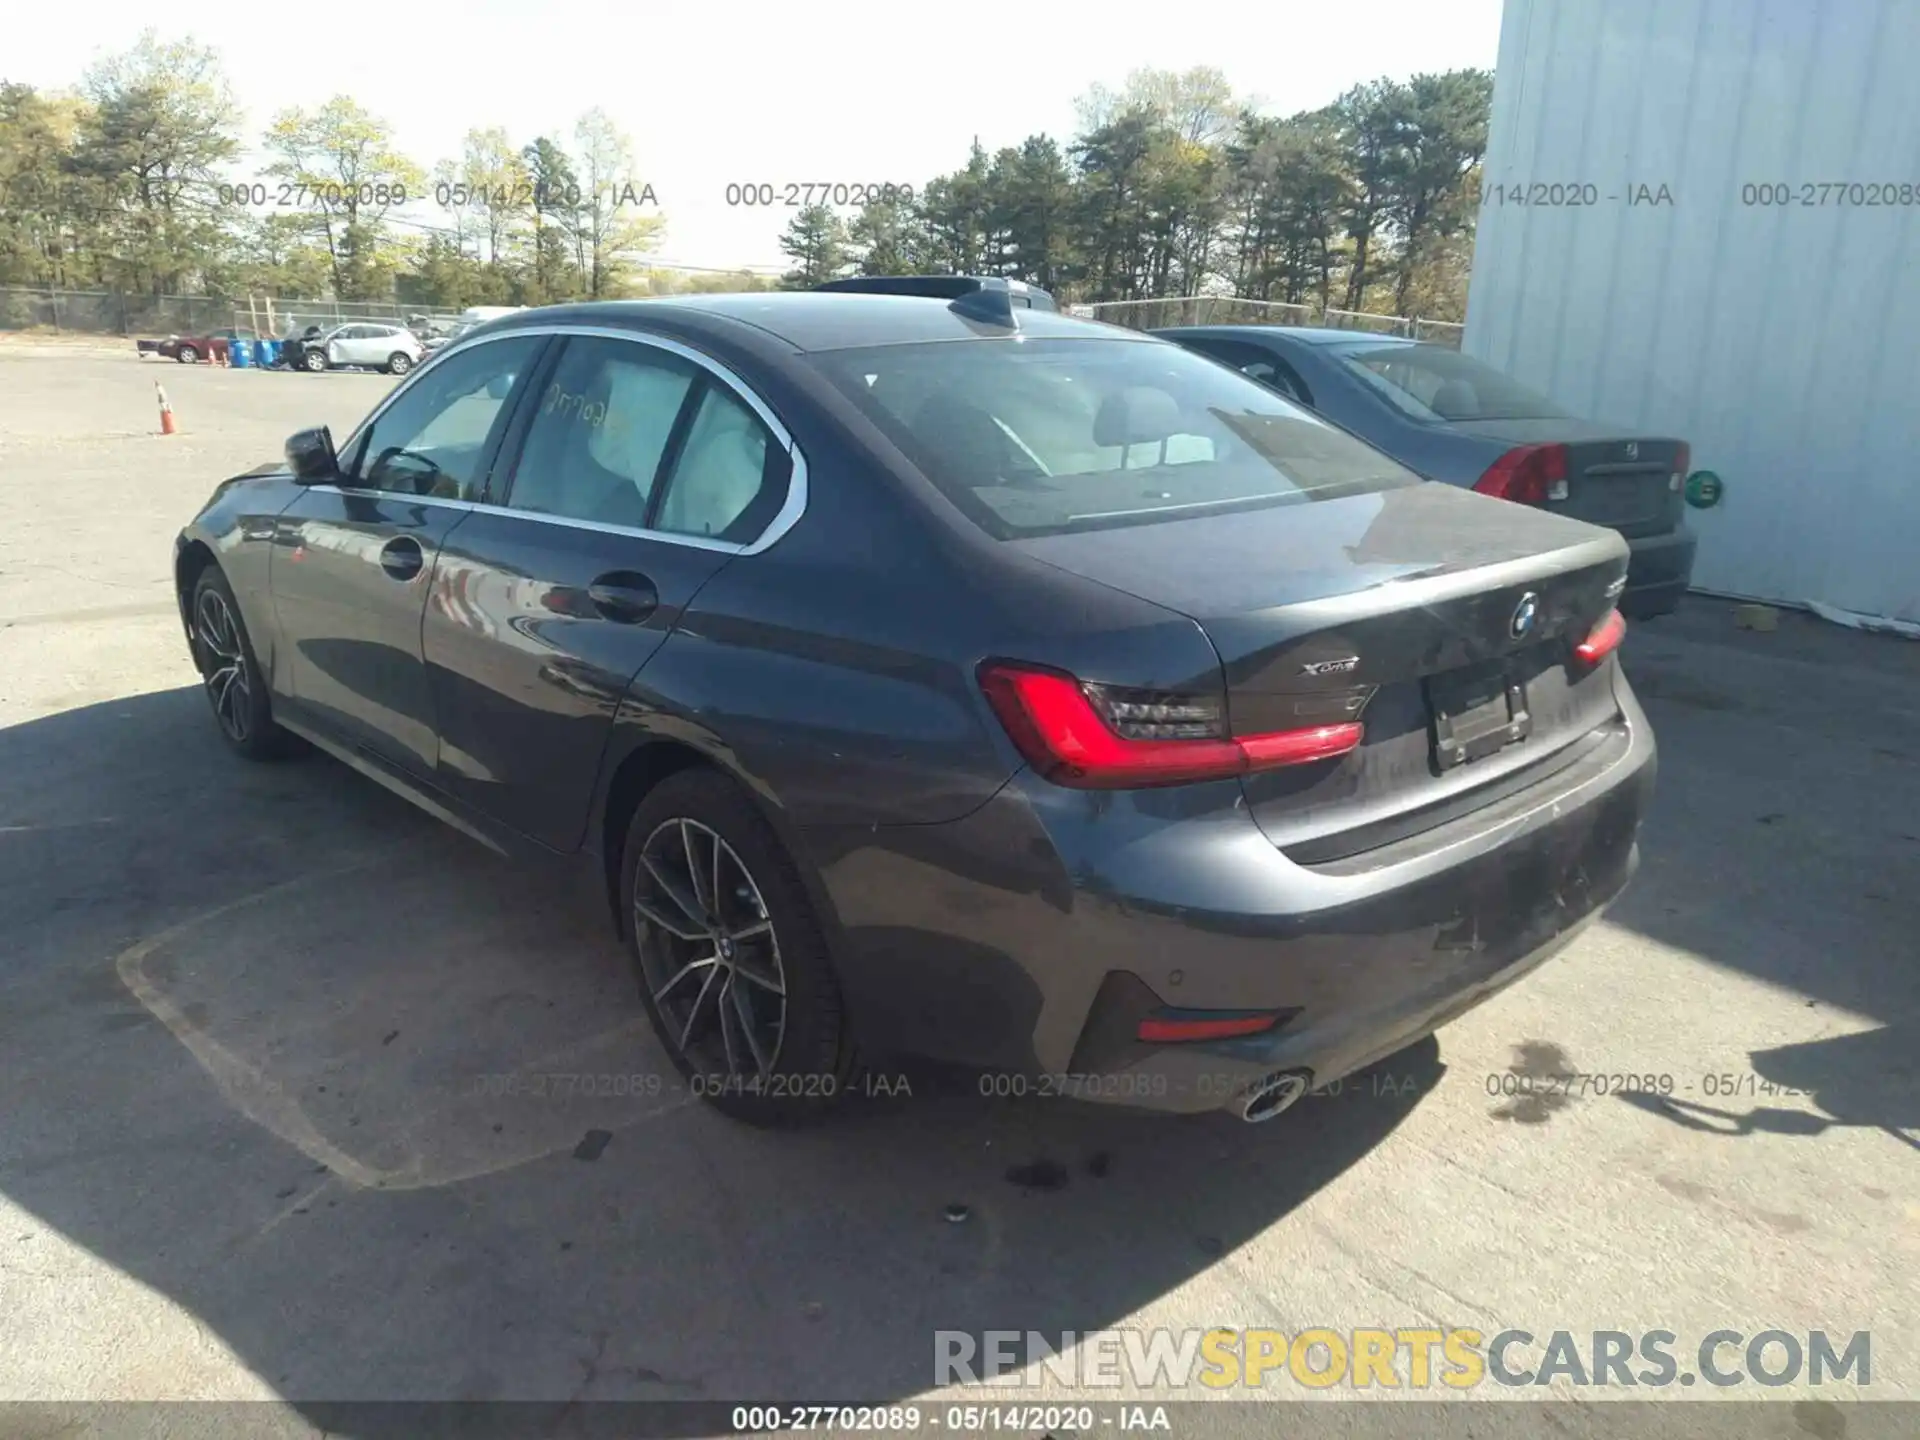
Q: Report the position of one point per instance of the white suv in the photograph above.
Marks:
(392, 348)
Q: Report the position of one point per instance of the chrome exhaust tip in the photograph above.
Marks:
(1267, 1097)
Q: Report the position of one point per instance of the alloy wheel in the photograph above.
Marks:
(224, 664)
(709, 956)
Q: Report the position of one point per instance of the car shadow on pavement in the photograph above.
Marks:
(1784, 845)
(382, 1112)
(1869, 1078)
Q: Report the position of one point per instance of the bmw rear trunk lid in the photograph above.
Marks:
(1444, 621)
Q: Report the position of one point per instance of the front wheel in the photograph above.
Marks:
(187, 355)
(314, 360)
(399, 363)
(733, 967)
(235, 687)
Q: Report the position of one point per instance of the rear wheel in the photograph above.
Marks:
(187, 355)
(236, 689)
(732, 965)
(399, 363)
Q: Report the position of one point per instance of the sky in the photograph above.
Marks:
(744, 93)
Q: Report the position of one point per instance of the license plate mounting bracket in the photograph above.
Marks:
(1476, 712)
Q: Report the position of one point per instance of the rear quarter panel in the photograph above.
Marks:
(835, 673)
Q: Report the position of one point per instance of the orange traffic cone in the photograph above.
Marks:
(167, 425)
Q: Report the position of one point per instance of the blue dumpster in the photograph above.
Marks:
(266, 352)
(240, 354)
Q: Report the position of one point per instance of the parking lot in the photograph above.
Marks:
(274, 1047)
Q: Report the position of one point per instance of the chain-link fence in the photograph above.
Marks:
(108, 312)
(1234, 310)
(292, 317)
(1440, 332)
(1196, 310)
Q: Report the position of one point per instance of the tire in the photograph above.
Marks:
(314, 360)
(187, 355)
(236, 690)
(399, 363)
(783, 1052)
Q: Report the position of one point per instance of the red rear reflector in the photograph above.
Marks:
(1056, 728)
(1172, 1029)
(1526, 474)
(1604, 640)
(1682, 463)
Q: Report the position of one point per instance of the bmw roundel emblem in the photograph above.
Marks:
(1525, 616)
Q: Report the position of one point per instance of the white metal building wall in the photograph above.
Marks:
(1782, 341)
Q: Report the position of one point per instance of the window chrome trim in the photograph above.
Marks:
(478, 507)
(784, 519)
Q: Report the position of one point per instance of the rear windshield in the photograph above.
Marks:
(1431, 382)
(1045, 437)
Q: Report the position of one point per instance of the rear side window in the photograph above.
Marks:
(1042, 437)
(628, 434)
(601, 430)
(1431, 382)
(721, 481)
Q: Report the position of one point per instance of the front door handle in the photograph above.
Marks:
(402, 557)
(624, 597)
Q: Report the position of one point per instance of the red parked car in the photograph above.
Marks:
(191, 349)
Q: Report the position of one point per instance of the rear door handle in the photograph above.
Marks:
(402, 557)
(624, 597)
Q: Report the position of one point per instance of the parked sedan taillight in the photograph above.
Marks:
(1100, 737)
(1528, 474)
(1682, 462)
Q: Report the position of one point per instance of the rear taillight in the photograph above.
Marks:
(1528, 474)
(1098, 737)
(1682, 462)
(1604, 639)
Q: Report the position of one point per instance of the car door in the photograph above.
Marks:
(640, 470)
(355, 345)
(352, 561)
(336, 344)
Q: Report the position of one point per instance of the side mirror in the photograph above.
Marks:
(311, 457)
(499, 387)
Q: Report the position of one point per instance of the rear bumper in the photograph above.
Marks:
(1032, 936)
(1659, 569)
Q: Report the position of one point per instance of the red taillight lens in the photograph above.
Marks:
(1170, 1027)
(1529, 475)
(1604, 640)
(1052, 720)
(1682, 463)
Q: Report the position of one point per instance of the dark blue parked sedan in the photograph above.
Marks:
(1452, 418)
(949, 678)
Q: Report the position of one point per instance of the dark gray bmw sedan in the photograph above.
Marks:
(950, 679)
